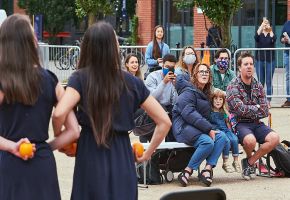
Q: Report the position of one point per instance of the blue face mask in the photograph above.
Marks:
(165, 71)
(222, 64)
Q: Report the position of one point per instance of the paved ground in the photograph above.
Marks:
(234, 186)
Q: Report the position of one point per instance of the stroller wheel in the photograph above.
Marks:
(168, 176)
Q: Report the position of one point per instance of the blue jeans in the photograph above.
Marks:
(286, 63)
(207, 149)
(265, 71)
(232, 144)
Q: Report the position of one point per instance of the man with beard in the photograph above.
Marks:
(247, 101)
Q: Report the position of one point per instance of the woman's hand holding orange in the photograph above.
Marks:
(23, 149)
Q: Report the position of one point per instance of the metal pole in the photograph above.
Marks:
(266, 8)
(273, 16)
(168, 22)
(164, 18)
(182, 28)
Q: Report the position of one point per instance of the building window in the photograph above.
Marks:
(7, 5)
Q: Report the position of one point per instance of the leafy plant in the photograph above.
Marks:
(220, 13)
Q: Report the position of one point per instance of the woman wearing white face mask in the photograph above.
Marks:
(187, 61)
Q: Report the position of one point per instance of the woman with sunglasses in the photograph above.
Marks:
(191, 124)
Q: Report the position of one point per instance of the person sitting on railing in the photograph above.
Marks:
(265, 60)
(187, 61)
(247, 101)
(156, 50)
(132, 65)
(221, 72)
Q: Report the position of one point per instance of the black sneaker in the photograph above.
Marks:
(253, 171)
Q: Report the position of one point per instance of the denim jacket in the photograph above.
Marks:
(243, 106)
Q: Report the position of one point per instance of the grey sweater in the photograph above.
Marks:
(165, 94)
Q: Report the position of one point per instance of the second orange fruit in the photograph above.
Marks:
(138, 148)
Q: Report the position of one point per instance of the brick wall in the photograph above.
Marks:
(17, 9)
(200, 32)
(288, 10)
(145, 11)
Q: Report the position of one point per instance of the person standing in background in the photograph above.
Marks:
(156, 50)
(221, 72)
(265, 59)
(284, 38)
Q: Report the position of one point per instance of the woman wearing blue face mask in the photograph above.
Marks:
(221, 72)
(187, 61)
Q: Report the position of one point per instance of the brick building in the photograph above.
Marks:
(188, 27)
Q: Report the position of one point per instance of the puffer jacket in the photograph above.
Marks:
(191, 113)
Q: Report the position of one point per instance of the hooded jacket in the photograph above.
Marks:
(191, 113)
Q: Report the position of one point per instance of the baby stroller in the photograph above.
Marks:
(173, 160)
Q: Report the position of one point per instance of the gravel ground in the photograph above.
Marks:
(234, 186)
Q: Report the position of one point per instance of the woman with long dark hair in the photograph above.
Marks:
(191, 124)
(132, 65)
(108, 98)
(27, 96)
(156, 50)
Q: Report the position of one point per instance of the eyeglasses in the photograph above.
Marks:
(203, 72)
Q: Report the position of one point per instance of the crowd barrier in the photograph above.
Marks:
(62, 60)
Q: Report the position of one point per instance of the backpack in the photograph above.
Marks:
(153, 175)
(281, 157)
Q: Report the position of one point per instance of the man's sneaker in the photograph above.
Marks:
(286, 104)
(227, 167)
(237, 166)
(253, 171)
(247, 170)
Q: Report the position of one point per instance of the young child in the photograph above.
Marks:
(220, 118)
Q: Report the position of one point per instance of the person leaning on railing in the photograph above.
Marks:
(265, 59)
(156, 50)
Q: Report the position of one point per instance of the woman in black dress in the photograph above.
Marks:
(107, 98)
(27, 96)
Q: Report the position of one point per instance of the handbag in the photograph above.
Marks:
(144, 125)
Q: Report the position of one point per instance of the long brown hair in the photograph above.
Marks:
(207, 90)
(19, 61)
(138, 73)
(180, 61)
(100, 59)
(156, 49)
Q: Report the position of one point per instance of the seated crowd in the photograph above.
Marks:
(202, 100)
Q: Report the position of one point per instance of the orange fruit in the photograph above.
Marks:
(70, 148)
(25, 149)
(138, 149)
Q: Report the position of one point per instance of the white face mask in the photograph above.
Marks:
(189, 59)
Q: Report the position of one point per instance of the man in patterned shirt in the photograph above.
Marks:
(247, 101)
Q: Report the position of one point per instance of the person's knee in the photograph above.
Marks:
(249, 141)
(208, 144)
(273, 138)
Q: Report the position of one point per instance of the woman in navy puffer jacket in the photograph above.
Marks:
(191, 123)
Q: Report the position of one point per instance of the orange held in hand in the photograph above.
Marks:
(138, 148)
(70, 149)
(25, 149)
